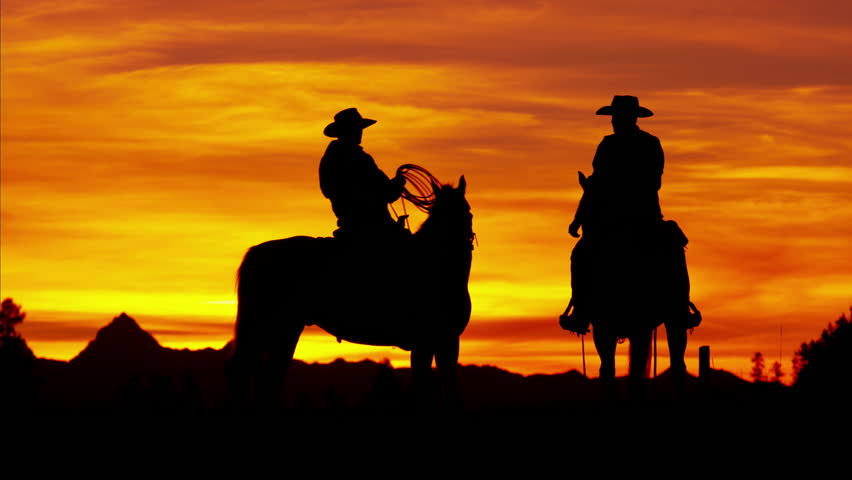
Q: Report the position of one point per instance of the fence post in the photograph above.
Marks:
(704, 367)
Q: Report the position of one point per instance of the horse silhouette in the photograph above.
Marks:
(631, 282)
(411, 293)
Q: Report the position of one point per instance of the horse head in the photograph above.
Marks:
(450, 218)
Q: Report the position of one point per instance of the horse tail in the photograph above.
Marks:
(247, 303)
(267, 328)
(246, 349)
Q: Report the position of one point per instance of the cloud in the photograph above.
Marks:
(660, 44)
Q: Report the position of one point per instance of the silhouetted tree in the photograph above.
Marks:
(10, 315)
(16, 360)
(824, 365)
(758, 368)
(776, 372)
(797, 367)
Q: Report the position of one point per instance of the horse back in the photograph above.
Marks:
(351, 290)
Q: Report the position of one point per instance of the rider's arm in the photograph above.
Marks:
(395, 187)
(390, 189)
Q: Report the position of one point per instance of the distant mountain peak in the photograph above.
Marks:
(123, 340)
(124, 321)
(124, 328)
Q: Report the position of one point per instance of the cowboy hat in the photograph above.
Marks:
(346, 120)
(625, 104)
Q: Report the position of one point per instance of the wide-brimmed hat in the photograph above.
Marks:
(346, 121)
(625, 104)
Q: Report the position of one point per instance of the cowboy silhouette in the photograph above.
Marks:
(628, 171)
(359, 191)
(628, 270)
(620, 207)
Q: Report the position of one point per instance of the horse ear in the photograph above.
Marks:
(462, 185)
(582, 179)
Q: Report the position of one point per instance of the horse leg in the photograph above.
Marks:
(239, 371)
(242, 368)
(640, 349)
(605, 343)
(278, 356)
(421, 377)
(447, 359)
(676, 338)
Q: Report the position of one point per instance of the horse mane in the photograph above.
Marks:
(439, 199)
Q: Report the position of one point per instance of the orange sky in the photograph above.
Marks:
(147, 144)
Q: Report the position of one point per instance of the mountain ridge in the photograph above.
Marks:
(125, 367)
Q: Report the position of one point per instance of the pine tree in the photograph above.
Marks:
(758, 368)
(10, 315)
(777, 373)
(824, 365)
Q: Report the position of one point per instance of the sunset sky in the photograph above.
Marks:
(146, 144)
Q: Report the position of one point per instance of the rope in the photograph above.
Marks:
(419, 186)
(405, 214)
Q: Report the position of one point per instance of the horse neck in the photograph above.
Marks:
(445, 248)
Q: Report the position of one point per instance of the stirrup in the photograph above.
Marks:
(572, 322)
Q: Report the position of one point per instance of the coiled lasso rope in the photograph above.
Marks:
(419, 186)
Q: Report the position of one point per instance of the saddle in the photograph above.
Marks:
(362, 298)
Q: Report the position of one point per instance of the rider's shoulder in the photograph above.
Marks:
(340, 150)
(608, 139)
(335, 146)
(648, 137)
(332, 149)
